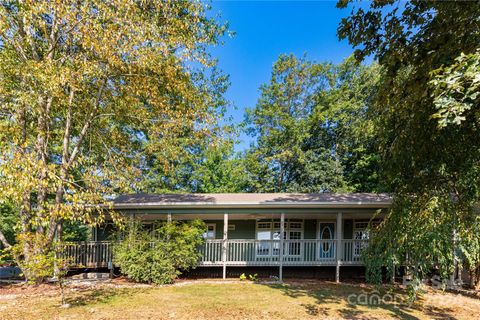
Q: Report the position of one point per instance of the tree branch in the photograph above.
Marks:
(68, 125)
(53, 40)
(87, 125)
(29, 39)
(64, 34)
(59, 196)
(42, 154)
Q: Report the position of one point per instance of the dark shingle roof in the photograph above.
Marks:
(253, 200)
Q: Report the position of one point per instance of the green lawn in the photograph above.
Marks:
(200, 300)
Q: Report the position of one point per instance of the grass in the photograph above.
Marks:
(235, 300)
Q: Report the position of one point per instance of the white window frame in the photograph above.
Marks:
(275, 227)
(205, 235)
(361, 226)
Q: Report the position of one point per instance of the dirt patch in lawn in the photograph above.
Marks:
(214, 299)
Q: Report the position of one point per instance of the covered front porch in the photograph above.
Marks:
(240, 239)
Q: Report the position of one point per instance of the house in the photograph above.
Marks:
(244, 229)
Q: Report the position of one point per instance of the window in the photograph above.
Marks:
(268, 231)
(363, 224)
(361, 232)
(264, 225)
(294, 247)
(211, 229)
(264, 232)
(296, 225)
(276, 225)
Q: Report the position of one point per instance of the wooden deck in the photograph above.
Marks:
(245, 252)
(91, 254)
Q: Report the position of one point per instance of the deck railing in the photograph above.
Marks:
(238, 253)
(88, 254)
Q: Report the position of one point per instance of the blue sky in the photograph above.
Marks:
(263, 31)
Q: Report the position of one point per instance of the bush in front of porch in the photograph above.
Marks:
(158, 257)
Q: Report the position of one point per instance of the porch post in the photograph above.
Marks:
(280, 253)
(94, 233)
(224, 244)
(169, 221)
(339, 237)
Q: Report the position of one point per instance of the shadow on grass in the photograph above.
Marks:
(351, 297)
(100, 295)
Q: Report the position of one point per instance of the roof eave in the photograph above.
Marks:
(318, 205)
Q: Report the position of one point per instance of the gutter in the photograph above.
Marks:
(276, 205)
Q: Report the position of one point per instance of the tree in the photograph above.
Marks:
(313, 128)
(456, 90)
(88, 90)
(209, 166)
(220, 171)
(429, 127)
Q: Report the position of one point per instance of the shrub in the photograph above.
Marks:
(159, 257)
(41, 262)
(253, 277)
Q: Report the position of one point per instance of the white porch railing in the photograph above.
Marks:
(239, 253)
(295, 252)
(352, 251)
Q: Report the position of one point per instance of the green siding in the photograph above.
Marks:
(244, 229)
(348, 229)
(310, 229)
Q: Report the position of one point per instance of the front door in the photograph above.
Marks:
(326, 233)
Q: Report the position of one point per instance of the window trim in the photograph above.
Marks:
(214, 231)
(273, 229)
(360, 244)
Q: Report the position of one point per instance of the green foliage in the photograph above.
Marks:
(159, 257)
(8, 222)
(253, 277)
(92, 93)
(207, 168)
(427, 108)
(457, 89)
(313, 129)
(41, 264)
(75, 231)
(432, 246)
